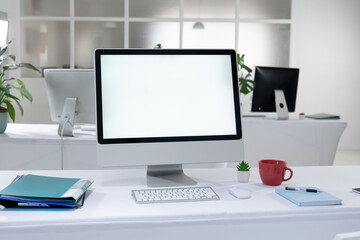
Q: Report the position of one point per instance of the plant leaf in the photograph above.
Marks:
(243, 166)
(246, 68)
(3, 58)
(10, 109)
(3, 49)
(25, 93)
(13, 57)
(9, 95)
(21, 83)
(20, 107)
(29, 66)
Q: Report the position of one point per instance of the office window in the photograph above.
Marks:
(154, 8)
(210, 9)
(148, 34)
(265, 9)
(65, 33)
(265, 44)
(90, 35)
(96, 8)
(214, 35)
(45, 8)
(45, 44)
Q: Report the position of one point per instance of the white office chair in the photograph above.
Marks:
(348, 236)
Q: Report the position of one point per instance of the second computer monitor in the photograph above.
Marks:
(275, 90)
(71, 97)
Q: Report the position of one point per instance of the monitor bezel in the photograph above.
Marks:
(99, 111)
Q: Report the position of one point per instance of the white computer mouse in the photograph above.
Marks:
(239, 193)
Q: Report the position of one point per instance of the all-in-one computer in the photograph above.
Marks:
(71, 97)
(275, 90)
(163, 108)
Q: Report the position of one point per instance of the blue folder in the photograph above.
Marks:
(35, 190)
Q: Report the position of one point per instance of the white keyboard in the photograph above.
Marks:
(183, 194)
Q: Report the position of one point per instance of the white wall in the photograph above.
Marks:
(325, 45)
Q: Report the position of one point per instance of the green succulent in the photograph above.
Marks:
(243, 166)
(8, 85)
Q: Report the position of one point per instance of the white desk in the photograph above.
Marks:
(38, 146)
(299, 142)
(110, 212)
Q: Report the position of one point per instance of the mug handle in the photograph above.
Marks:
(291, 174)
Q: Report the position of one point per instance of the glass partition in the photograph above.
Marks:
(45, 44)
(92, 35)
(149, 34)
(96, 8)
(45, 8)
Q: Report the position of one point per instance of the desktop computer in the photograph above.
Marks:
(275, 90)
(71, 98)
(162, 108)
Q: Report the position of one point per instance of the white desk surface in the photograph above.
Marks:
(44, 133)
(111, 213)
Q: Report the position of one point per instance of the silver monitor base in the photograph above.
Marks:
(281, 106)
(66, 125)
(167, 176)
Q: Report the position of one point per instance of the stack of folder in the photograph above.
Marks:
(323, 116)
(43, 191)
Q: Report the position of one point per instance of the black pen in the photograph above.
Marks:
(305, 189)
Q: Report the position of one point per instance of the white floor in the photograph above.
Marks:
(347, 158)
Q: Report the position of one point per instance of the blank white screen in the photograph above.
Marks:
(167, 96)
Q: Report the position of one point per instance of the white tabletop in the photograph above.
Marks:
(44, 133)
(110, 210)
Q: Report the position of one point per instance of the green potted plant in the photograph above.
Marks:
(243, 172)
(245, 84)
(9, 85)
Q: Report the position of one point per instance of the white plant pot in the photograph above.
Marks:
(3, 121)
(243, 176)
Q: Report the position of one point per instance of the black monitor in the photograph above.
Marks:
(275, 90)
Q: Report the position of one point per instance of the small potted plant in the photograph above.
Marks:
(10, 85)
(243, 173)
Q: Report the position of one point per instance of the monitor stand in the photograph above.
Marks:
(281, 106)
(66, 125)
(167, 176)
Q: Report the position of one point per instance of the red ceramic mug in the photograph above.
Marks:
(272, 172)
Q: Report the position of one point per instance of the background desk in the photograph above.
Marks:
(299, 142)
(37, 146)
(110, 212)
